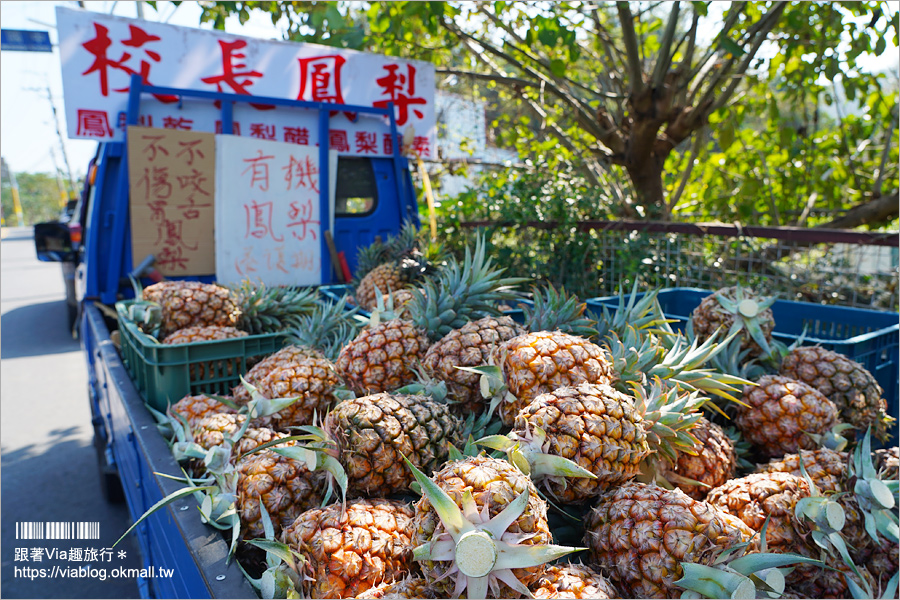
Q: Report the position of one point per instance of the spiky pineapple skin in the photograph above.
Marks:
(538, 362)
(573, 581)
(203, 333)
(710, 316)
(493, 483)
(374, 433)
(715, 461)
(387, 277)
(195, 408)
(282, 358)
(214, 429)
(193, 304)
(349, 552)
(640, 533)
(755, 496)
(383, 358)
(779, 412)
(596, 427)
(411, 587)
(811, 581)
(845, 382)
(285, 487)
(887, 462)
(468, 346)
(827, 468)
(311, 380)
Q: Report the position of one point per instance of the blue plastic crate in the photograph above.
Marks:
(870, 337)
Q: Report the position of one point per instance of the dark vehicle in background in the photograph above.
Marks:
(62, 241)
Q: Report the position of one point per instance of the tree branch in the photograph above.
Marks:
(665, 47)
(884, 153)
(632, 52)
(696, 148)
(874, 212)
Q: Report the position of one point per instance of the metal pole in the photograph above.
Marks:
(63, 195)
(17, 206)
(140, 9)
(62, 143)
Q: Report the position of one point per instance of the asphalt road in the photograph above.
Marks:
(48, 468)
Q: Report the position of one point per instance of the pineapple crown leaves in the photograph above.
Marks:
(746, 309)
(738, 573)
(327, 328)
(260, 406)
(876, 498)
(683, 365)
(481, 551)
(271, 309)
(833, 439)
(528, 450)
(554, 310)
(669, 414)
(644, 313)
(458, 293)
(742, 448)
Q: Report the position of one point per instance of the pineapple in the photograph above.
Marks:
(609, 435)
(285, 486)
(411, 587)
(736, 309)
(641, 532)
(845, 382)
(535, 363)
(472, 345)
(384, 356)
(401, 264)
(193, 304)
(714, 463)
(827, 468)
(887, 462)
(203, 333)
(312, 380)
(373, 434)
(481, 528)
(468, 346)
(351, 549)
(573, 581)
(194, 409)
(759, 495)
(779, 414)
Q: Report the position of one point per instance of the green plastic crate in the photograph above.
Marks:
(164, 374)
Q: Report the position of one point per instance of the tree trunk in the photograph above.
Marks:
(646, 177)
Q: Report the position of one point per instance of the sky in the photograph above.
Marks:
(28, 138)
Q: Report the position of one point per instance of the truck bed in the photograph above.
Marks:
(173, 537)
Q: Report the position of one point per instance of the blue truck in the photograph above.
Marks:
(95, 249)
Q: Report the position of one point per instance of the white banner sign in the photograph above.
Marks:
(100, 53)
(267, 210)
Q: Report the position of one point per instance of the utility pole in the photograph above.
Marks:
(63, 195)
(73, 188)
(17, 206)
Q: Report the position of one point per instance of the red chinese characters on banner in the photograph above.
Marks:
(235, 74)
(366, 142)
(296, 135)
(99, 48)
(301, 173)
(337, 140)
(300, 215)
(320, 79)
(400, 88)
(259, 171)
(93, 123)
(168, 194)
(259, 221)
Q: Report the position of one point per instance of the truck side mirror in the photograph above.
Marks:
(53, 242)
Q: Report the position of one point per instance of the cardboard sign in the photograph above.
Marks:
(100, 53)
(268, 217)
(172, 199)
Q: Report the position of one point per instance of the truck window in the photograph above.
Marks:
(356, 193)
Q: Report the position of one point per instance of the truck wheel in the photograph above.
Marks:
(72, 313)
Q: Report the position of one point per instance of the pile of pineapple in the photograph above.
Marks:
(440, 449)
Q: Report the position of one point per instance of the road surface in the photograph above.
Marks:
(48, 469)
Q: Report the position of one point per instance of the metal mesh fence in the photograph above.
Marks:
(841, 274)
(597, 258)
